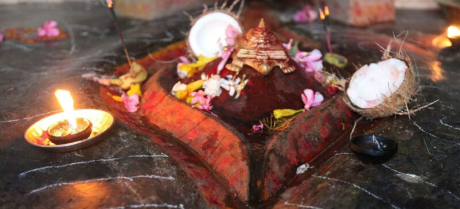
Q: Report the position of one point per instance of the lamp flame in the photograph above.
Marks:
(453, 32)
(66, 101)
(321, 15)
(110, 3)
(326, 11)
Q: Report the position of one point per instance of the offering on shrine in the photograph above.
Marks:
(384, 88)
(248, 94)
(256, 99)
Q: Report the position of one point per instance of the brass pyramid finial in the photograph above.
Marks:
(262, 23)
(261, 50)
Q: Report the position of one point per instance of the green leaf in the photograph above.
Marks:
(294, 49)
(336, 60)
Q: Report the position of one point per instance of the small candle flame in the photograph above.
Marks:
(321, 15)
(66, 101)
(326, 11)
(453, 32)
(110, 3)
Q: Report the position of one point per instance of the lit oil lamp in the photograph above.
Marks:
(71, 129)
(450, 38)
(453, 33)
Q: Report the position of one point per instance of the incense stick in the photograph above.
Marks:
(120, 35)
(328, 40)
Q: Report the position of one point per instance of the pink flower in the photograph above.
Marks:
(49, 29)
(288, 46)
(1, 37)
(130, 102)
(198, 97)
(231, 33)
(310, 61)
(306, 15)
(206, 106)
(257, 128)
(311, 99)
(184, 60)
(225, 55)
(200, 100)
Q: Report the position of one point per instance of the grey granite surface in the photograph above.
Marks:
(127, 170)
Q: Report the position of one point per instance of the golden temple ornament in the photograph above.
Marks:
(260, 49)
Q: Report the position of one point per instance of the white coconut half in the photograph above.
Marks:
(207, 34)
(370, 85)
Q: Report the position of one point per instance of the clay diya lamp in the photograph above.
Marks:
(373, 148)
(62, 133)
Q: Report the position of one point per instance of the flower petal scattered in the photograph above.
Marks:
(211, 86)
(183, 91)
(225, 56)
(201, 101)
(189, 69)
(319, 98)
(198, 97)
(288, 46)
(311, 99)
(49, 29)
(231, 33)
(306, 15)
(310, 61)
(257, 128)
(179, 86)
(131, 102)
(181, 73)
(233, 85)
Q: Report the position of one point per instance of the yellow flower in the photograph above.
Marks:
(136, 75)
(135, 89)
(114, 97)
(191, 87)
(192, 68)
(281, 113)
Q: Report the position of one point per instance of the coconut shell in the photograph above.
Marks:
(399, 99)
(207, 12)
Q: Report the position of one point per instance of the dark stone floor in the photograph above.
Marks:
(127, 170)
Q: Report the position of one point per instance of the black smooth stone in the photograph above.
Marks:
(373, 148)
